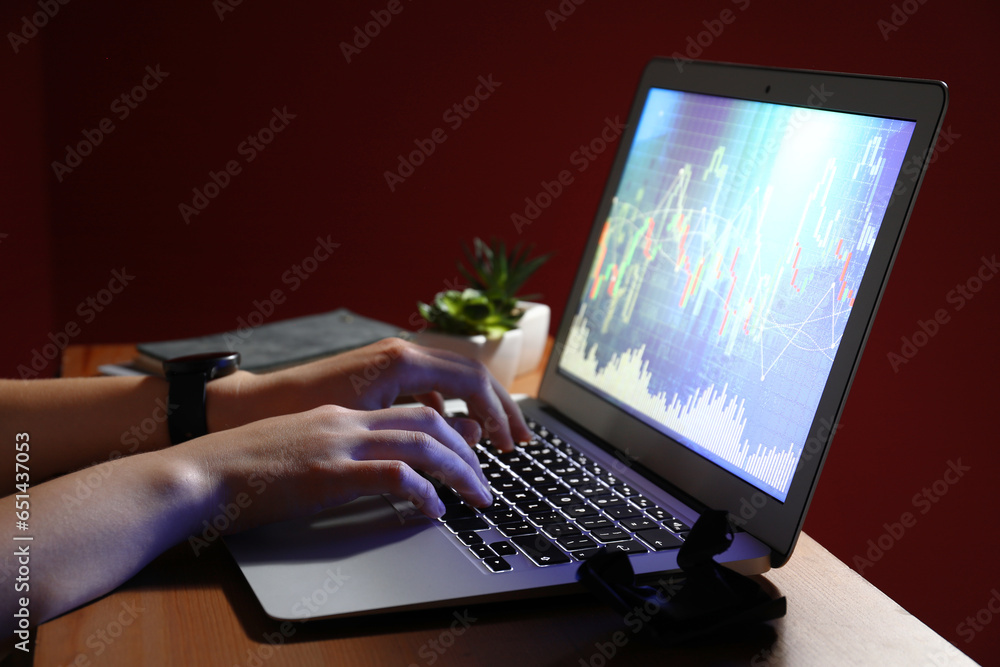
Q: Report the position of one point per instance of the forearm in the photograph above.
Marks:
(86, 544)
(82, 421)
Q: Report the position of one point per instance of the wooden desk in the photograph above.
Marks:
(187, 610)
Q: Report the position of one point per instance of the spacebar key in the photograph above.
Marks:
(540, 550)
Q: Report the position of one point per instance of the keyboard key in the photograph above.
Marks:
(552, 489)
(497, 564)
(676, 525)
(611, 534)
(537, 451)
(498, 518)
(469, 538)
(540, 550)
(642, 502)
(540, 479)
(659, 539)
(532, 506)
(625, 490)
(514, 529)
(503, 548)
(574, 543)
(563, 529)
(565, 499)
(505, 487)
(499, 505)
(588, 490)
(659, 514)
(514, 458)
(575, 478)
(594, 522)
(546, 461)
(584, 554)
(630, 547)
(544, 518)
(625, 512)
(520, 496)
(638, 523)
(579, 511)
(467, 524)
(607, 500)
(457, 512)
(482, 551)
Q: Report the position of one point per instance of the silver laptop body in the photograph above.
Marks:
(743, 241)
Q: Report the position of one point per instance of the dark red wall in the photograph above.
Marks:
(26, 286)
(322, 176)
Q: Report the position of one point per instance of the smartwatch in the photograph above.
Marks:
(188, 377)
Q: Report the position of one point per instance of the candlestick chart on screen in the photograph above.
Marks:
(727, 268)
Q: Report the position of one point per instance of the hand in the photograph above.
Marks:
(373, 377)
(331, 455)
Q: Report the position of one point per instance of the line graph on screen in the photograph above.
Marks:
(718, 292)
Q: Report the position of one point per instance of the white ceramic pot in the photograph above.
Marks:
(535, 325)
(502, 356)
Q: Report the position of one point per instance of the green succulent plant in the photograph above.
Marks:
(489, 305)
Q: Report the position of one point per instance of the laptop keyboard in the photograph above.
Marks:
(555, 505)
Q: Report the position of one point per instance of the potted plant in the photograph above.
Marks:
(488, 320)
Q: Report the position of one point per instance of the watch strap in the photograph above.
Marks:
(186, 397)
(188, 378)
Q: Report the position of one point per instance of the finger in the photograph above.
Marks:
(422, 452)
(457, 376)
(418, 422)
(516, 426)
(514, 423)
(432, 399)
(469, 429)
(398, 478)
(427, 421)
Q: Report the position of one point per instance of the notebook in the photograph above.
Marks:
(734, 265)
(266, 346)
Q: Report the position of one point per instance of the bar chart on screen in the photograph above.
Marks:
(726, 270)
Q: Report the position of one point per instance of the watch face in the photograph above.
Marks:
(211, 364)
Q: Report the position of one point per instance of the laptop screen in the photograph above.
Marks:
(726, 271)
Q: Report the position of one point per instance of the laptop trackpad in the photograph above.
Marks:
(338, 533)
(351, 558)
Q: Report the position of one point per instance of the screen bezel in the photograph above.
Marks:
(775, 523)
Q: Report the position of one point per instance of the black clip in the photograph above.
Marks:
(708, 599)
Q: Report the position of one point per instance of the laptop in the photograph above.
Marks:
(733, 268)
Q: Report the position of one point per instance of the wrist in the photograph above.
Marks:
(233, 401)
(180, 497)
(180, 485)
(227, 472)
